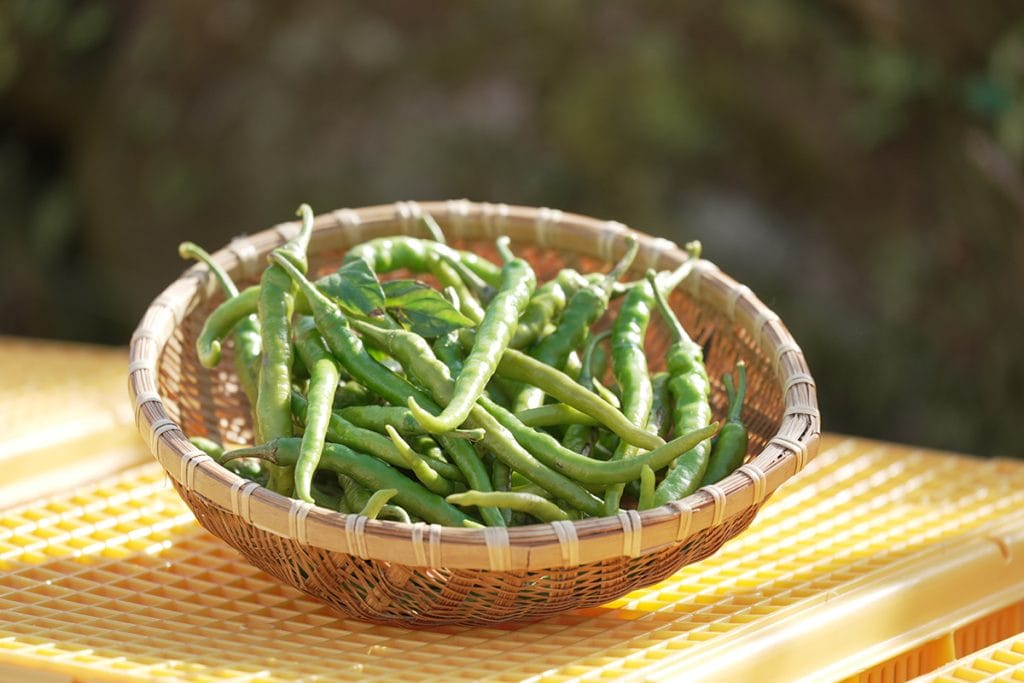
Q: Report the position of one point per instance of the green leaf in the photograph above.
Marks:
(355, 288)
(422, 309)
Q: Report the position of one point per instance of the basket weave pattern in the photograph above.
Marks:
(424, 574)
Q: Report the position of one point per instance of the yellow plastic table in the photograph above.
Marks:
(879, 562)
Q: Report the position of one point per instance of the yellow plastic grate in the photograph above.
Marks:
(1003, 661)
(58, 402)
(966, 639)
(117, 582)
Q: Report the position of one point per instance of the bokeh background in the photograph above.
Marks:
(858, 163)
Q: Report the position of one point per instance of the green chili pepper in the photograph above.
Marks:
(377, 501)
(324, 373)
(221, 321)
(554, 414)
(629, 365)
(377, 418)
(436, 233)
(546, 304)
(578, 435)
(606, 393)
(419, 465)
(660, 420)
(480, 289)
(352, 393)
(646, 500)
(731, 447)
(356, 497)
(585, 307)
(449, 352)
(501, 482)
(583, 469)
(331, 498)
(246, 468)
(246, 328)
(191, 250)
(367, 470)
(688, 384)
(276, 305)
(518, 366)
(492, 339)
(536, 506)
(208, 446)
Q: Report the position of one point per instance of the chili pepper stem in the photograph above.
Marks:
(503, 248)
(678, 331)
(266, 452)
(433, 228)
(191, 250)
(623, 264)
(736, 392)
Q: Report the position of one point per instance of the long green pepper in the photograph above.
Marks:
(245, 329)
(516, 365)
(629, 366)
(578, 435)
(690, 389)
(369, 440)
(276, 305)
(731, 446)
(546, 304)
(583, 309)
(324, 374)
(492, 338)
(580, 468)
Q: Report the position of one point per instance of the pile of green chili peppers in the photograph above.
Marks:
(419, 382)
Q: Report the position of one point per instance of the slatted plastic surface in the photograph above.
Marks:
(117, 582)
(1003, 661)
(58, 403)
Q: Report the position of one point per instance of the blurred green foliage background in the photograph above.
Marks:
(858, 163)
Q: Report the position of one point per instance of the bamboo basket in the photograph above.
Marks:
(423, 574)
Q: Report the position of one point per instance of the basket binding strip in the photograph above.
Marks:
(426, 574)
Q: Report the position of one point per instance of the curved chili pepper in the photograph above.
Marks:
(731, 447)
(546, 304)
(533, 505)
(516, 365)
(368, 471)
(583, 309)
(491, 340)
(324, 373)
(276, 305)
(629, 365)
(688, 384)
(244, 326)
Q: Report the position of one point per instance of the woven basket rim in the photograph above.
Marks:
(537, 546)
